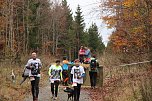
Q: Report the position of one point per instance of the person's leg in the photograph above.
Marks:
(33, 89)
(95, 78)
(52, 89)
(78, 91)
(37, 80)
(56, 83)
(63, 74)
(81, 58)
(71, 78)
(66, 78)
(75, 93)
(91, 78)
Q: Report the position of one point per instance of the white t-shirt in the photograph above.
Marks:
(55, 71)
(77, 73)
(36, 62)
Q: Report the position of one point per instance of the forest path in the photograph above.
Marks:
(45, 94)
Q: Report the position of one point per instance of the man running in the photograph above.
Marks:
(35, 65)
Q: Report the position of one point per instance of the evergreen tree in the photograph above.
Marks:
(95, 40)
(79, 28)
(33, 21)
(68, 36)
(85, 39)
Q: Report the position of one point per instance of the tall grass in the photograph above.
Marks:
(129, 83)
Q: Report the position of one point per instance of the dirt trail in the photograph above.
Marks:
(45, 95)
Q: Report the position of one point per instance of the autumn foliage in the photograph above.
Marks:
(132, 20)
(130, 43)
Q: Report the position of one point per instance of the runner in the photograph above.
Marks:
(34, 64)
(55, 74)
(77, 73)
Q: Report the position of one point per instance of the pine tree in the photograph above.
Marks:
(95, 40)
(68, 36)
(33, 20)
(79, 28)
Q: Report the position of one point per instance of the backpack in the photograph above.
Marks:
(93, 64)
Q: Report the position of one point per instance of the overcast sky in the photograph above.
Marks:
(91, 13)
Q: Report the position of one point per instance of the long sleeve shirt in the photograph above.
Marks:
(55, 73)
(37, 64)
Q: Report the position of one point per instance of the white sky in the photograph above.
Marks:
(91, 12)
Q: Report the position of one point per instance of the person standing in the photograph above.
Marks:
(81, 54)
(87, 55)
(55, 75)
(35, 65)
(93, 71)
(87, 52)
(77, 73)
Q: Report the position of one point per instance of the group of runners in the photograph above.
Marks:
(62, 72)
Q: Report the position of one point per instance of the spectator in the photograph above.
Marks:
(81, 54)
(87, 52)
(93, 71)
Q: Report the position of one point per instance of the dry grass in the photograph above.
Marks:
(123, 83)
(10, 91)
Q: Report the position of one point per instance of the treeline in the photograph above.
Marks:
(132, 20)
(45, 26)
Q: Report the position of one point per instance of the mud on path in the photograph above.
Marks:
(45, 95)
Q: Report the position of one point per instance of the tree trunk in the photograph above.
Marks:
(53, 49)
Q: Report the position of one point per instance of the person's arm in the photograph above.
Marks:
(49, 72)
(83, 72)
(72, 73)
(79, 51)
(28, 65)
(40, 64)
(61, 74)
(97, 63)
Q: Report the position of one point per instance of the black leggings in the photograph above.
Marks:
(35, 87)
(56, 84)
(65, 76)
(93, 78)
(77, 92)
